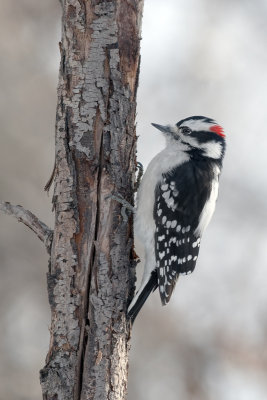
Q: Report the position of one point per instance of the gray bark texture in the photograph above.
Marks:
(91, 270)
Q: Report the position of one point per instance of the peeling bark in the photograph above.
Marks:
(91, 274)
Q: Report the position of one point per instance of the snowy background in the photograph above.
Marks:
(199, 57)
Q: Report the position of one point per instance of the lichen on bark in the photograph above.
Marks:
(90, 274)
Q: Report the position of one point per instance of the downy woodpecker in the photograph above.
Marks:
(175, 202)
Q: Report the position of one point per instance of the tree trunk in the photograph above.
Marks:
(91, 272)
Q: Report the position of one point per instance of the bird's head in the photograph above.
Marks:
(198, 135)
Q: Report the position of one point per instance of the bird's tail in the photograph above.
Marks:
(141, 296)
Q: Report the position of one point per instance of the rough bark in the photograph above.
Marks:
(90, 276)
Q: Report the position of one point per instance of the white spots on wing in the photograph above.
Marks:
(164, 219)
(162, 290)
(173, 258)
(170, 203)
(185, 228)
(161, 271)
(159, 212)
(196, 243)
(195, 258)
(164, 187)
(178, 242)
(182, 260)
(175, 193)
(189, 257)
(173, 224)
(178, 228)
(168, 224)
(187, 272)
(160, 238)
(161, 254)
(166, 195)
(172, 240)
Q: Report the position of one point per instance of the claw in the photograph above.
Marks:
(125, 205)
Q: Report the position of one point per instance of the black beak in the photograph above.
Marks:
(162, 128)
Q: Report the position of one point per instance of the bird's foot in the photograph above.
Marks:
(125, 205)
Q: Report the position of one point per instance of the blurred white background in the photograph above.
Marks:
(199, 57)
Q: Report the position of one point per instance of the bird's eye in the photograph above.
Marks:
(186, 130)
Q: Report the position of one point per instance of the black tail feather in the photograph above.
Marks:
(152, 284)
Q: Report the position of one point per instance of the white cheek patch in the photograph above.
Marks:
(212, 149)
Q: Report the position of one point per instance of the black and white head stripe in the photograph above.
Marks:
(202, 134)
(206, 128)
(195, 120)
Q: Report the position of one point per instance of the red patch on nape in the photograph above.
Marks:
(217, 129)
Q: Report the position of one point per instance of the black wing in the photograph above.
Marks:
(180, 199)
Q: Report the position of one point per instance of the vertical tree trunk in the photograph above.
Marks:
(90, 275)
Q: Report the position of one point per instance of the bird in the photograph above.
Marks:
(175, 202)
